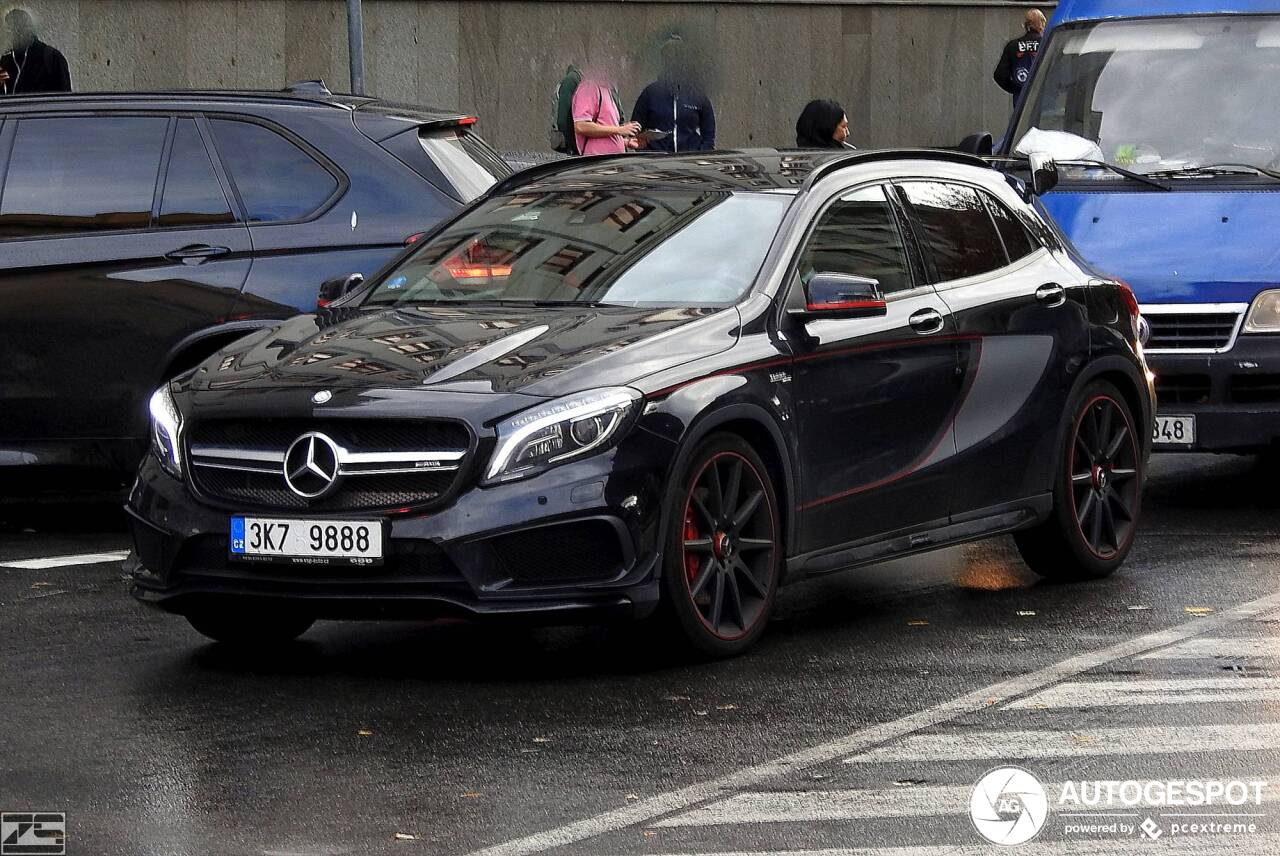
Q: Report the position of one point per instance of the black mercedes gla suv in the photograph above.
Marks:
(658, 386)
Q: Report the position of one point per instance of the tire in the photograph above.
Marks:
(723, 555)
(1097, 492)
(231, 625)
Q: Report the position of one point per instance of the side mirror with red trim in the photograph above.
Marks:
(842, 295)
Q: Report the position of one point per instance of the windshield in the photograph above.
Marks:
(1158, 95)
(616, 246)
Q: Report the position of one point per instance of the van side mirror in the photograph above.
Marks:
(1044, 173)
(841, 295)
(977, 144)
(337, 288)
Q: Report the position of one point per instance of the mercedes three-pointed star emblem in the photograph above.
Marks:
(311, 465)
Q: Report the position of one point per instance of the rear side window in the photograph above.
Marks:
(958, 235)
(1017, 242)
(859, 235)
(70, 175)
(467, 163)
(276, 179)
(192, 195)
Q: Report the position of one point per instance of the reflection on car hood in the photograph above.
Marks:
(480, 349)
(1195, 246)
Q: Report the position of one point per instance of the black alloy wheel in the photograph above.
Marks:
(725, 557)
(1097, 494)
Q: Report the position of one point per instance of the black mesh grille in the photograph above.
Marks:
(406, 561)
(1179, 331)
(1255, 389)
(1182, 389)
(568, 552)
(365, 435)
(249, 490)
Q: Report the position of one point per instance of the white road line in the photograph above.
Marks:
(66, 561)
(1275, 616)
(1223, 845)
(1239, 648)
(1151, 691)
(815, 806)
(1010, 745)
(861, 740)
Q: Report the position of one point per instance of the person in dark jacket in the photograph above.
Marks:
(1014, 69)
(31, 65)
(676, 104)
(822, 125)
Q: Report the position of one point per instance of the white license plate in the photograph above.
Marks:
(1174, 431)
(314, 542)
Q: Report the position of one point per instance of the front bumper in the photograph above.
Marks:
(1234, 396)
(580, 540)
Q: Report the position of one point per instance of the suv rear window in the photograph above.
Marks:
(276, 179)
(70, 175)
(468, 164)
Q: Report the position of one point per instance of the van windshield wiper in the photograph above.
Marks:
(1118, 170)
(1218, 169)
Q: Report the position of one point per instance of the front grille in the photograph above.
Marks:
(1255, 389)
(567, 552)
(1181, 331)
(1182, 389)
(373, 465)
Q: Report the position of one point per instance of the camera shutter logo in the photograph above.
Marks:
(33, 833)
(1008, 806)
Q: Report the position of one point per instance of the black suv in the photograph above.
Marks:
(139, 233)
(629, 384)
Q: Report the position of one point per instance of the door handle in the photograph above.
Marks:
(926, 321)
(194, 254)
(1051, 294)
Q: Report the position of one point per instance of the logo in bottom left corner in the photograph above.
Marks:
(33, 833)
(1008, 806)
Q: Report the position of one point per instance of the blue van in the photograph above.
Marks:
(1164, 116)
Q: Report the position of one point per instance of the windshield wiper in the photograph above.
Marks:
(1219, 169)
(1135, 176)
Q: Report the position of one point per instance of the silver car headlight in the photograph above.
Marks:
(558, 431)
(166, 431)
(1264, 314)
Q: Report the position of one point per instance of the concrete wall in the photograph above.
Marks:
(907, 73)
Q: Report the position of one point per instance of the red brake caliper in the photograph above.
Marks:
(690, 534)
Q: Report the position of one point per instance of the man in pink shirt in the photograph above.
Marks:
(595, 121)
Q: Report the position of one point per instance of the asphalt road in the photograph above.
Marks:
(859, 725)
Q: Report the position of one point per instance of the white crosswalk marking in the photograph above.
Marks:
(1211, 647)
(1010, 745)
(66, 561)
(1224, 845)
(859, 804)
(1151, 691)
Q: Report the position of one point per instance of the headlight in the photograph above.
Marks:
(1264, 315)
(567, 428)
(166, 431)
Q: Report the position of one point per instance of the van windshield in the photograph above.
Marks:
(1158, 95)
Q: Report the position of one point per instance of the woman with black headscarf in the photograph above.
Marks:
(822, 125)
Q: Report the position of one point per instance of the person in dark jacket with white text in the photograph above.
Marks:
(1014, 68)
(677, 105)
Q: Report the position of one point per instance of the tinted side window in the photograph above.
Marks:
(955, 229)
(192, 195)
(276, 179)
(82, 175)
(1017, 242)
(858, 235)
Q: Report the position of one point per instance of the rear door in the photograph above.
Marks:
(1022, 324)
(116, 243)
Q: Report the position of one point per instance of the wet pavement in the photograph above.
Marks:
(859, 725)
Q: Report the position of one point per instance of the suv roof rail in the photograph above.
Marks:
(863, 157)
(308, 87)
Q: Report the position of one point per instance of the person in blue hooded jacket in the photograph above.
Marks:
(677, 105)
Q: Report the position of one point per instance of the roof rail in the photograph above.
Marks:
(308, 87)
(855, 157)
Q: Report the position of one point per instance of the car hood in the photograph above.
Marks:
(1195, 246)
(536, 350)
